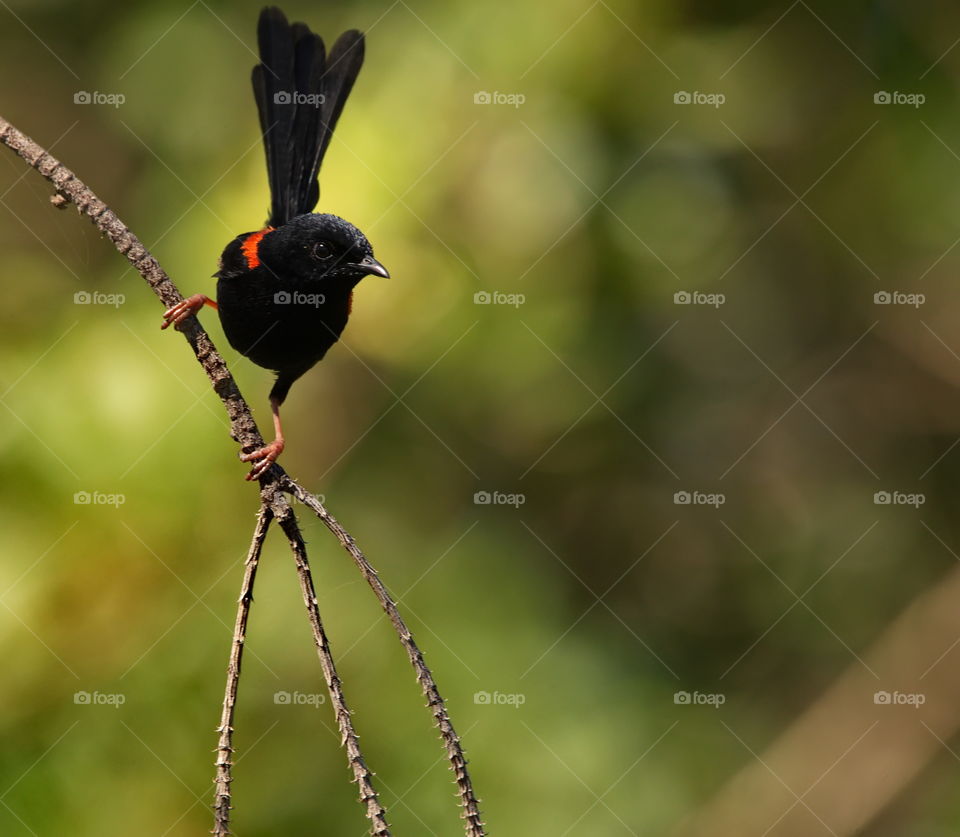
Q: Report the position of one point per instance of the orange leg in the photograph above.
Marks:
(185, 308)
(267, 455)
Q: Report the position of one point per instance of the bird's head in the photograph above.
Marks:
(324, 247)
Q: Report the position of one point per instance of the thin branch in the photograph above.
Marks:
(223, 779)
(348, 736)
(451, 741)
(243, 429)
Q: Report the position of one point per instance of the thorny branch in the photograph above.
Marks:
(221, 805)
(378, 817)
(243, 429)
(451, 741)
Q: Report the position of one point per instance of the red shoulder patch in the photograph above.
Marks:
(251, 245)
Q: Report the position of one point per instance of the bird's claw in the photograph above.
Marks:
(183, 309)
(264, 457)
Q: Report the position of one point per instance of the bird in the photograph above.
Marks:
(285, 291)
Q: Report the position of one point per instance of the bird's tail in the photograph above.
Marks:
(300, 93)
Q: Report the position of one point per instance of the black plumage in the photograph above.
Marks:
(300, 94)
(284, 293)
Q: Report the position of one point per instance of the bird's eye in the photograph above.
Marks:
(322, 250)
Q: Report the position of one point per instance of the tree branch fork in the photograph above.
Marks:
(275, 485)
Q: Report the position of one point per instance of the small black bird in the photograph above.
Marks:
(284, 292)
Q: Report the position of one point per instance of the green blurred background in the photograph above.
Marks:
(787, 591)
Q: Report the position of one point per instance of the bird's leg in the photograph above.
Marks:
(185, 308)
(267, 455)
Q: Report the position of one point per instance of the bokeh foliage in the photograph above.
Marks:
(598, 398)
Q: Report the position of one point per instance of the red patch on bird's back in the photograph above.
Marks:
(350, 304)
(250, 247)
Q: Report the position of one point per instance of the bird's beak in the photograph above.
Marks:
(370, 265)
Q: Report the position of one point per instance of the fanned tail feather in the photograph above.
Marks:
(300, 93)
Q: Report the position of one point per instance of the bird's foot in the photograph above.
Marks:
(264, 457)
(185, 308)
